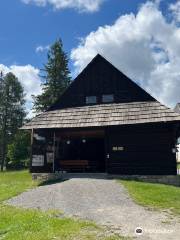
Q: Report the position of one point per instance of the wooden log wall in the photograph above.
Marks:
(142, 150)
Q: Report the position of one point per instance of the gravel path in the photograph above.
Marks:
(104, 201)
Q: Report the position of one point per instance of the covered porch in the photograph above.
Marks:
(60, 150)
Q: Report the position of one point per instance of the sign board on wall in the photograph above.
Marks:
(50, 157)
(178, 153)
(38, 160)
(117, 148)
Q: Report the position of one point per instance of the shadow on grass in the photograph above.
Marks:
(50, 182)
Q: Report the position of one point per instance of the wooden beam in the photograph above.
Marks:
(81, 134)
(31, 155)
(54, 150)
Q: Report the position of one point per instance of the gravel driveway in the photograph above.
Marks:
(104, 201)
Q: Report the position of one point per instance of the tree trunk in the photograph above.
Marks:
(4, 135)
(3, 155)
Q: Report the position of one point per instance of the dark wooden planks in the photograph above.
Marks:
(98, 78)
(147, 150)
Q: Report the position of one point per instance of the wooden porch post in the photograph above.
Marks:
(31, 155)
(54, 150)
(107, 150)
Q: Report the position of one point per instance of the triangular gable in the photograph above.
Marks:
(100, 77)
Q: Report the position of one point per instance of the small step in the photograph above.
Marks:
(84, 175)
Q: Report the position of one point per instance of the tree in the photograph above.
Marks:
(12, 112)
(18, 151)
(57, 77)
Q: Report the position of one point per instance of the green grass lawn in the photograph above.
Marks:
(157, 196)
(20, 224)
(13, 183)
(178, 165)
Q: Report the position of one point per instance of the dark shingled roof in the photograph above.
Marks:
(104, 115)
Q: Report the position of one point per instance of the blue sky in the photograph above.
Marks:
(26, 26)
(106, 26)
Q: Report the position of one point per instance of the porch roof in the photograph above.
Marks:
(104, 115)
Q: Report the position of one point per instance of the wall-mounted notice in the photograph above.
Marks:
(117, 148)
(38, 160)
(50, 157)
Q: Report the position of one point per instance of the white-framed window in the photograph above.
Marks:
(107, 98)
(91, 99)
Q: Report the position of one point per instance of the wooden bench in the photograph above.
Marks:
(74, 164)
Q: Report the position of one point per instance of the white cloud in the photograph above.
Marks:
(41, 48)
(30, 80)
(175, 9)
(144, 46)
(80, 5)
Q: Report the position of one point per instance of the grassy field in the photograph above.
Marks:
(178, 165)
(20, 224)
(13, 183)
(157, 196)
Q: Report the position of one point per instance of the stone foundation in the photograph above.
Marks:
(46, 176)
(164, 179)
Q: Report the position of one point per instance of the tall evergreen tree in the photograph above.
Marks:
(12, 111)
(57, 77)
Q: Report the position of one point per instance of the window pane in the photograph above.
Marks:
(108, 98)
(91, 99)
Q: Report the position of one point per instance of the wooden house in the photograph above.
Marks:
(105, 122)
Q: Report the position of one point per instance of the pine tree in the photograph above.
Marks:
(57, 77)
(1, 117)
(12, 112)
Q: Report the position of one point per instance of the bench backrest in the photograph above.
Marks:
(74, 163)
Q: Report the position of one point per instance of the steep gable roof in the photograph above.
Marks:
(97, 78)
(101, 77)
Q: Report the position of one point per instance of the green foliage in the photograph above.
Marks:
(157, 196)
(19, 150)
(20, 224)
(57, 77)
(12, 111)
